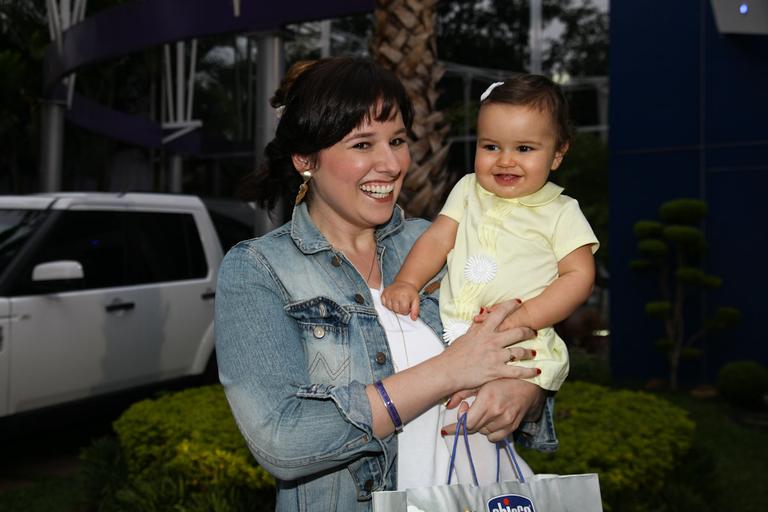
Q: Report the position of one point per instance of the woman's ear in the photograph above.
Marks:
(559, 154)
(301, 163)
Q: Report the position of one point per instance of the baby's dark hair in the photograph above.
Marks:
(540, 92)
(320, 103)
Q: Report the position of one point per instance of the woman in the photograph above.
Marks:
(307, 362)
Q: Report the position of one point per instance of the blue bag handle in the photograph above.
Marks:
(504, 444)
(462, 422)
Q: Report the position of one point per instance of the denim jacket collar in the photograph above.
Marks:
(310, 240)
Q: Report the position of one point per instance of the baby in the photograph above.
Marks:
(506, 232)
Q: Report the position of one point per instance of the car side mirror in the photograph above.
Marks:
(57, 271)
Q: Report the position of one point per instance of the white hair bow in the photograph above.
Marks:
(487, 92)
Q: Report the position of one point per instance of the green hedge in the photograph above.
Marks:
(744, 383)
(633, 440)
(180, 452)
(193, 433)
(183, 453)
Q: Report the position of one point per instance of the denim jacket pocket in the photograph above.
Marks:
(324, 326)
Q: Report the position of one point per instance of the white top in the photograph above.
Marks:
(422, 457)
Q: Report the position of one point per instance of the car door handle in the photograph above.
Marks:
(122, 306)
(208, 295)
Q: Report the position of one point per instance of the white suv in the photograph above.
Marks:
(102, 292)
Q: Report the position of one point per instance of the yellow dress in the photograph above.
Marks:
(507, 249)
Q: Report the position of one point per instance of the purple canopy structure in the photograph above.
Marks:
(144, 24)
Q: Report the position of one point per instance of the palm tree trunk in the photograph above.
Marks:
(404, 41)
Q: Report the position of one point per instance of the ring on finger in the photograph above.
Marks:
(511, 354)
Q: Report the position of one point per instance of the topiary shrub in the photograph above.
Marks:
(673, 252)
(180, 452)
(744, 383)
(633, 440)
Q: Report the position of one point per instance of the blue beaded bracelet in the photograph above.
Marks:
(393, 415)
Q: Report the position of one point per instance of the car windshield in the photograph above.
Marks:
(16, 226)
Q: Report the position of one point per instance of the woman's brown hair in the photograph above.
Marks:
(320, 103)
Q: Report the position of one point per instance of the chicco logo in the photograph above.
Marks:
(510, 503)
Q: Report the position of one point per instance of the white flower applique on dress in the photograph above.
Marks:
(453, 329)
(480, 269)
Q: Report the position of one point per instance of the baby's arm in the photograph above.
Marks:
(554, 304)
(426, 258)
(561, 298)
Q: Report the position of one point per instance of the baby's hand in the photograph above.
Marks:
(402, 298)
(518, 318)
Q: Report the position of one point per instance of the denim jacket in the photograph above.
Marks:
(297, 340)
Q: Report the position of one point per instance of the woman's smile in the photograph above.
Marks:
(378, 190)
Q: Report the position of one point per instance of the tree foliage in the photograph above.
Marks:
(582, 50)
(673, 249)
(494, 34)
(23, 38)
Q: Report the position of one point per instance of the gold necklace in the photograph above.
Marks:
(370, 270)
(405, 345)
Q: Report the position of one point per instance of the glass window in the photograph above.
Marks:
(94, 239)
(16, 227)
(163, 247)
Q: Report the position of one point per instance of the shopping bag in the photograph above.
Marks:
(540, 493)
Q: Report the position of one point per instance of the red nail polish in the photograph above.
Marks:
(443, 432)
(533, 353)
(535, 332)
(518, 301)
(538, 371)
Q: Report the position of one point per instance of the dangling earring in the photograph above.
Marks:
(304, 187)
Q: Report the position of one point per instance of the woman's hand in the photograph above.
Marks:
(519, 317)
(480, 355)
(499, 407)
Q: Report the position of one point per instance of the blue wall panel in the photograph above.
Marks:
(736, 93)
(652, 97)
(689, 118)
(739, 239)
(640, 182)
